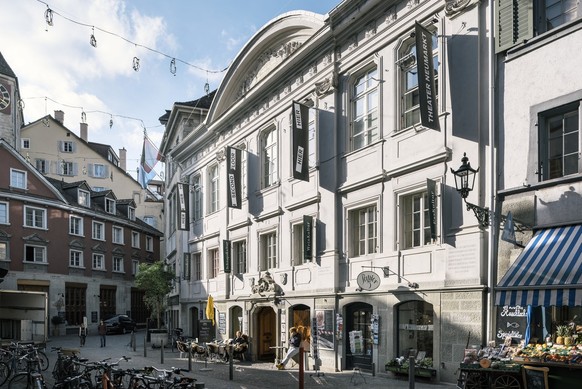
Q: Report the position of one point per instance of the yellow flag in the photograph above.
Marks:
(210, 309)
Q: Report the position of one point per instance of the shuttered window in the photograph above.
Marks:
(513, 23)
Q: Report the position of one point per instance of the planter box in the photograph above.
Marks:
(157, 337)
(418, 371)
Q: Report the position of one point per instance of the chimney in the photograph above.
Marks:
(60, 116)
(84, 129)
(123, 159)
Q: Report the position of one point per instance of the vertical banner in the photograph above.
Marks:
(300, 141)
(183, 207)
(226, 256)
(307, 238)
(508, 234)
(426, 86)
(432, 207)
(233, 172)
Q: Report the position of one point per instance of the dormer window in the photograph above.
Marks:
(83, 198)
(110, 206)
(131, 213)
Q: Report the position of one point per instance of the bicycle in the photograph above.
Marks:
(65, 364)
(30, 379)
(77, 381)
(107, 377)
(4, 372)
(164, 379)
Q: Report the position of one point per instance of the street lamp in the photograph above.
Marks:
(464, 182)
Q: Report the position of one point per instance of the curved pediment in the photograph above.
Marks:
(266, 52)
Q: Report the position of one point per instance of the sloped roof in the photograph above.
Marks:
(5, 68)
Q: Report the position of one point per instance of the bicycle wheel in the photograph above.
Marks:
(43, 360)
(20, 381)
(4, 373)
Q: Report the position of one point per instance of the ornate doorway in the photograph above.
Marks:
(266, 319)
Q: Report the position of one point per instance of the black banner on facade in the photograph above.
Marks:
(233, 173)
(432, 207)
(300, 141)
(426, 86)
(307, 238)
(183, 207)
(226, 256)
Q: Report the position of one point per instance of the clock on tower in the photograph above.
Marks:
(5, 98)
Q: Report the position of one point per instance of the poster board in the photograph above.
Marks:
(325, 328)
(205, 331)
(535, 377)
(356, 343)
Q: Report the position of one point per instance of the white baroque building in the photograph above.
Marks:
(378, 281)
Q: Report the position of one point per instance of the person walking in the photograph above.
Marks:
(294, 343)
(82, 334)
(102, 329)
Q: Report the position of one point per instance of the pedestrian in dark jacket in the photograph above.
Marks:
(102, 329)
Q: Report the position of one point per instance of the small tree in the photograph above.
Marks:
(157, 282)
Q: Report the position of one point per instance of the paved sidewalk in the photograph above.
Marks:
(246, 374)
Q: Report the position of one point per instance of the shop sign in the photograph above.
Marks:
(368, 280)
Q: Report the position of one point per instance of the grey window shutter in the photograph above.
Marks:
(60, 145)
(90, 170)
(513, 23)
(106, 171)
(74, 147)
(75, 168)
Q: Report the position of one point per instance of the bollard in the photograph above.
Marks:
(145, 349)
(189, 356)
(411, 365)
(301, 371)
(133, 340)
(230, 362)
(162, 353)
(374, 369)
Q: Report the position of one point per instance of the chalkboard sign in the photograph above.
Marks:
(536, 377)
(205, 331)
(222, 323)
(511, 322)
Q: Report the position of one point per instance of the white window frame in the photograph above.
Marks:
(214, 188)
(99, 170)
(110, 206)
(268, 250)
(67, 168)
(213, 263)
(84, 198)
(240, 256)
(67, 146)
(4, 251)
(35, 213)
(4, 212)
(149, 243)
(414, 235)
(134, 267)
(76, 258)
(25, 142)
(197, 198)
(117, 234)
(196, 266)
(150, 220)
(118, 264)
(298, 246)
(35, 247)
(363, 226)
(42, 165)
(76, 225)
(365, 108)
(98, 261)
(18, 178)
(564, 16)
(98, 230)
(135, 239)
(269, 157)
(131, 213)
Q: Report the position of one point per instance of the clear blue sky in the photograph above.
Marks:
(57, 68)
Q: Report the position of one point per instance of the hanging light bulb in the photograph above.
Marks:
(173, 66)
(48, 17)
(93, 41)
(111, 121)
(21, 104)
(207, 85)
(135, 64)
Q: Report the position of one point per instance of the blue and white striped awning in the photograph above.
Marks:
(547, 272)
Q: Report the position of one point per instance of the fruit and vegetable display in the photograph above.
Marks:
(564, 347)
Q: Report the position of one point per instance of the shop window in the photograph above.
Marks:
(559, 142)
(415, 328)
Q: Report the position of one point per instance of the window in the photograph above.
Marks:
(213, 263)
(75, 258)
(150, 220)
(4, 251)
(135, 239)
(131, 213)
(415, 327)
(42, 165)
(67, 146)
(239, 255)
(149, 243)
(312, 138)
(298, 248)
(363, 231)
(213, 179)
(197, 267)
(34, 253)
(98, 261)
(559, 142)
(186, 267)
(118, 264)
(365, 129)
(84, 198)
(76, 225)
(18, 179)
(410, 96)
(416, 222)
(99, 170)
(269, 157)
(67, 168)
(98, 231)
(34, 217)
(196, 198)
(4, 219)
(515, 22)
(25, 143)
(117, 235)
(134, 267)
(172, 214)
(110, 206)
(268, 251)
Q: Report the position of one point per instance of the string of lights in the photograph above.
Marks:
(49, 19)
